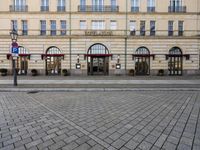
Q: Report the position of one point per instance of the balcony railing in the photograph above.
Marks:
(22, 8)
(98, 8)
(180, 9)
(44, 8)
(134, 9)
(150, 9)
(61, 8)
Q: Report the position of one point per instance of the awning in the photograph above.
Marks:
(98, 55)
(144, 55)
(178, 55)
(43, 56)
(21, 55)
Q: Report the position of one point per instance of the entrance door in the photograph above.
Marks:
(53, 65)
(98, 65)
(175, 65)
(22, 65)
(142, 65)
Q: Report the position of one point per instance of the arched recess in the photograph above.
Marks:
(98, 59)
(175, 61)
(142, 61)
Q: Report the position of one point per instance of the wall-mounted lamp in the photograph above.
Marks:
(78, 66)
(118, 66)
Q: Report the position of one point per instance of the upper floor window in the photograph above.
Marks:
(142, 28)
(61, 5)
(53, 27)
(180, 28)
(14, 25)
(43, 27)
(132, 26)
(113, 5)
(170, 28)
(82, 6)
(19, 5)
(177, 6)
(83, 25)
(63, 26)
(98, 25)
(98, 5)
(44, 5)
(24, 27)
(134, 5)
(152, 28)
(113, 25)
(150, 5)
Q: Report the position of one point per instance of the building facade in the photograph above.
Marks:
(102, 37)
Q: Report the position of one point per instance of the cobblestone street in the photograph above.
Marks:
(131, 120)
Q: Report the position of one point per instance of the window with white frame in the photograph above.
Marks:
(83, 25)
(61, 5)
(63, 27)
(19, 5)
(150, 5)
(134, 5)
(113, 25)
(98, 25)
(132, 26)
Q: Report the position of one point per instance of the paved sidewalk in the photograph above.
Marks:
(140, 120)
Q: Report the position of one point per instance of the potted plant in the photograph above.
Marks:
(3, 72)
(131, 72)
(34, 72)
(64, 71)
(160, 72)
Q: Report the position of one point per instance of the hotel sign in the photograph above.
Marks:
(98, 33)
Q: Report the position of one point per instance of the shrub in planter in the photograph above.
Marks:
(64, 71)
(161, 72)
(131, 72)
(34, 72)
(3, 72)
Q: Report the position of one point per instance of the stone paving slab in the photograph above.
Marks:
(117, 120)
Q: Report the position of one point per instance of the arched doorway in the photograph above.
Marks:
(142, 61)
(98, 60)
(22, 61)
(53, 61)
(175, 64)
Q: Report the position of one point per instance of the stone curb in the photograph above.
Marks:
(36, 90)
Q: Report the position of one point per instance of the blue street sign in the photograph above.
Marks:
(15, 50)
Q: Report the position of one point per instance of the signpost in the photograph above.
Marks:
(15, 54)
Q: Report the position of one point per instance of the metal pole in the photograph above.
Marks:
(14, 73)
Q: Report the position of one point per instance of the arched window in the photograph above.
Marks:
(23, 50)
(175, 51)
(142, 50)
(98, 49)
(53, 50)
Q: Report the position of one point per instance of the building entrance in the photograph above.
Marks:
(98, 65)
(98, 60)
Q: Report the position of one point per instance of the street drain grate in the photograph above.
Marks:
(32, 92)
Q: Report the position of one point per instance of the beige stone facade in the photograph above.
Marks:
(121, 34)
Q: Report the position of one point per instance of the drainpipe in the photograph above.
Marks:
(126, 36)
(70, 40)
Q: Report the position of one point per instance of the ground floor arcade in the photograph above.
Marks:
(104, 57)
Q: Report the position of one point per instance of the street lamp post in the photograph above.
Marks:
(14, 35)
